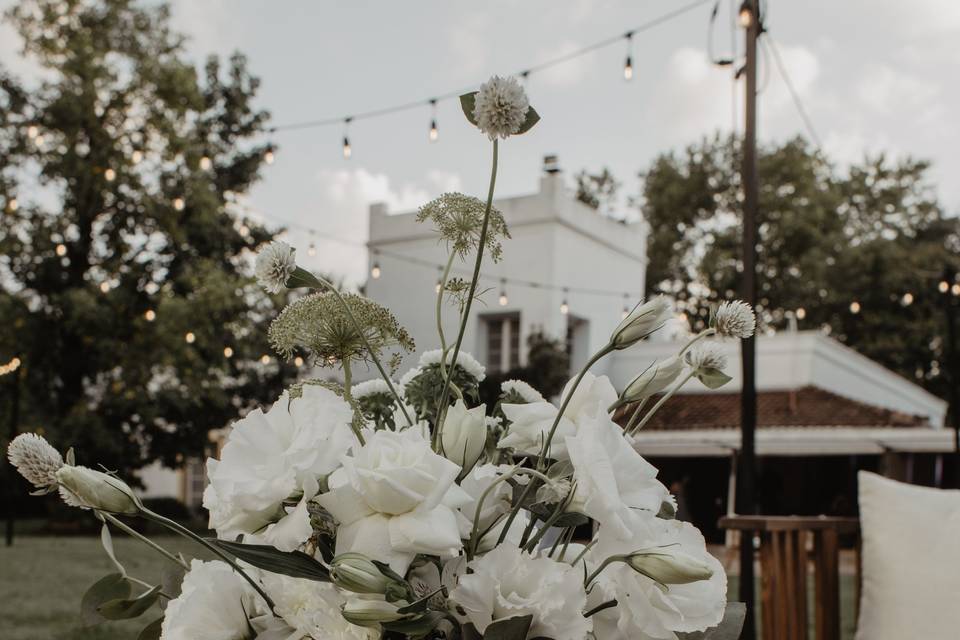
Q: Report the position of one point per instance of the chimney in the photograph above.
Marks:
(551, 182)
(551, 164)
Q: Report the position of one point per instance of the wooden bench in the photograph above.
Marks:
(784, 563)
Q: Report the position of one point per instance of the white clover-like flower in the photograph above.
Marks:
(706, 355)
(369, 388)
(407, 377)
(275, 264)
(521, 389)
(464, 360)
(312, 609)
(508, 582)
(500, 107)
(735, 319)
(35, 459)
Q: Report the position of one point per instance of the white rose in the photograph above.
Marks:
(312, 609)
(395, 498)
(507, 582)
(464, 434)
(644, 609)
(614, 482)
(215, 603)
(272, 456)
(530, 423)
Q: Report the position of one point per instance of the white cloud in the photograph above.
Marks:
(888, 90)
(693, 98)
(803, 68)
(569, 73)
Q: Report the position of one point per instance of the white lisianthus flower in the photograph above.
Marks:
(530, 423)
(735, 319)
(706, 355)
(464, 434)
(35, 459)
(507, 582)
(521, 389)
(215, 603)
(312, 609)
(615, 485)
(645, 609)
(464, 360)
(275, 264)
(500, 107)
(272, 456)
(395, 498)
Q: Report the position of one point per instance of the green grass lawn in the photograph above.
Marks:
(42, 580)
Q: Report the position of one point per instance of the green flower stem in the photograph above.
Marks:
(662, 400)
(635, 415)
(603, 565)
(348, 396)
(119, 524)
(310, 280)
(443, 339)
(702, 334)
(475, 536)
(600, 607)
(549, 522)
(186, 533)
(445, 394)
(566, 400)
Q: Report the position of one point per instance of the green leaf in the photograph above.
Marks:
(171, 580)
(418, 627)
(107, 541)
(532, 118)
(467, 102)
(126, 608)
(729, 628)
(109, 587)
(509, 629)
(295, 564)
(712, 378)
(151, 631)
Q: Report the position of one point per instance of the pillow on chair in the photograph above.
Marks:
(911, 561)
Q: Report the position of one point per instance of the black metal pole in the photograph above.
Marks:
(953, 368)
(746, 500)
(14, 427)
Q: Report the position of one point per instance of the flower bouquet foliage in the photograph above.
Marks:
(402, 509)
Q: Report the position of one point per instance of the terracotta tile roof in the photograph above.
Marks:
(804, 407)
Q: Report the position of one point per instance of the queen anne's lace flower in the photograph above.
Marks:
(458, 219)
(706, 355)
(735, 319)
(35, 459)
(275, 264)
(521, 390)
(508, 582)
(501, 107)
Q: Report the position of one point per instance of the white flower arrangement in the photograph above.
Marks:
(409, 510)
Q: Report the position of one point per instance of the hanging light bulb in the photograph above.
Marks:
(13, 204)
(628, 65)
(136, 157)
(801, 313)
(205, 163)
(437, 286)
(955, 289)
(298, 361)
(150, 315)
(854, 307)
(375, 271)
(227, 352)
(564, 307)
(944, 286)
(434, 133)
(32, 131)
(503, 292)
(178, 204)
(745, 17)
(190, 337)
(264, 359)
(110, 175)
(626, 306)
(312, 249)
(907, 299)
(104, 287)
(61, 250)
(347, 150)
(268, 156)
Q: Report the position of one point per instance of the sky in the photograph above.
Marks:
(873, 75)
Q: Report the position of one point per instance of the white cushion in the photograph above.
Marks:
(911, 561)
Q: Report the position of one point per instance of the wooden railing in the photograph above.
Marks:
(785, 558)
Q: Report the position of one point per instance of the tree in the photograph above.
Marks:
(873, 235)
(598, 190)
(124, 274)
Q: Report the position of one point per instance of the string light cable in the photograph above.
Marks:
(794, 95)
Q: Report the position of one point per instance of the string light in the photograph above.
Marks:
(227, 352)
(375, 271)
(136, 156)
(298, 361)
(61, 250)
(268, 156)
(150, 315)
(347, 150)
(434, 133)
(10, 367)
(564, 307)
(178, 204)
(190, 337)
(626, 306)
(745, 17)
(854, 307)
(205, 163)
(955, 289)
(312, 249)
(105, 287)
(628, 65)
(13, 204)
(503, 292)
(110, 175)
(32, 131)
(264, 359)
(907, 299)
(944, 286)
(801, 313)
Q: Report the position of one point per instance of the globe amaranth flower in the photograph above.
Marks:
(518, 392)
(735, 319)
(500, 107)
(458, 219)
(507, 582)
(376, 404)
(320, 324)
(706, 355)
(423, 385)
(35, 459)
(275, 264)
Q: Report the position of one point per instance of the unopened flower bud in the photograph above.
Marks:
(371, 611)
(655, 379)
(641, 322)
(669, 566)
(355, 572)
(464, 434)
(97, 490)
